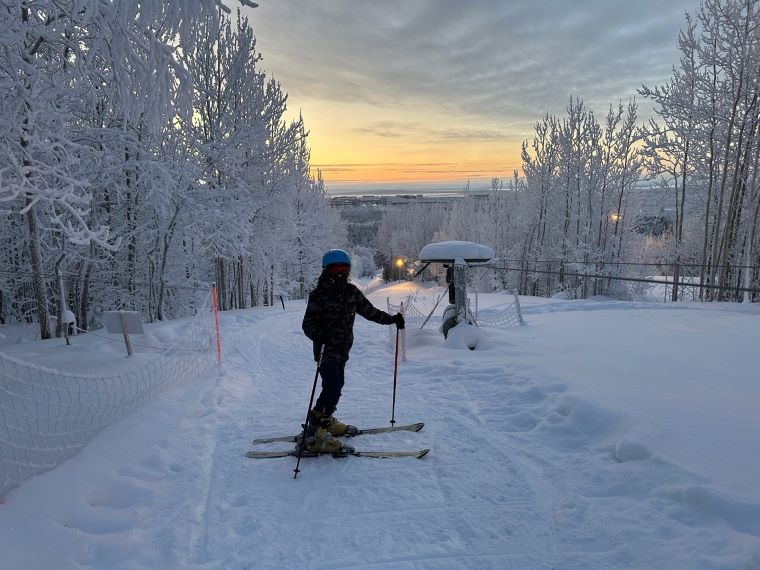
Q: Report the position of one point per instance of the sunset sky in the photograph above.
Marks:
(409, 91)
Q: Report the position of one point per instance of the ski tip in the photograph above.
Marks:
(264, 454)
(419, 426)
(422, 453)
(283, 439)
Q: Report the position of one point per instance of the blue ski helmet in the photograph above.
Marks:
(335, 256)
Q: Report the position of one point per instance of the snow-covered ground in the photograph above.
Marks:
(600, 435)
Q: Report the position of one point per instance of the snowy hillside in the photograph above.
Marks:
(599, 435)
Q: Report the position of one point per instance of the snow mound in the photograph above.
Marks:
(563, 296)
(575, 423)
(466, 336)
(694, 504)
(451, 250)
(631, 451)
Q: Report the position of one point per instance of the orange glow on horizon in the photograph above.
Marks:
(363, 144)
(368, 173)
(366, 160)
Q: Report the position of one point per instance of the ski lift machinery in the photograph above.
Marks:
(457, 257)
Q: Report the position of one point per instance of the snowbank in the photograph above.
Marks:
(600, 435)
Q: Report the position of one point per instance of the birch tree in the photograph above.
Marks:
(708, 134)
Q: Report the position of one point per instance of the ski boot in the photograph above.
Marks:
(335, 427)
(317, 439)
(338, 428)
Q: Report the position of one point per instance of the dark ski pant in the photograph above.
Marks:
(332, 383)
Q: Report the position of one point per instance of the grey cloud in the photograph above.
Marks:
(396, 129)
(501, 60)
(389, 129)
(482, 135)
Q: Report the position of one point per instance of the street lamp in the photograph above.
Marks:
(399, 264)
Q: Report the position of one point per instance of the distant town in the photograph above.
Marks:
(652, 207)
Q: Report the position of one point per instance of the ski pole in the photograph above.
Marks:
(306, 423)
(395, 374)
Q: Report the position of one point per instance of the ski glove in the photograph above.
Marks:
(398, 320)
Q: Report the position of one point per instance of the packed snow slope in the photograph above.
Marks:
(599, 435)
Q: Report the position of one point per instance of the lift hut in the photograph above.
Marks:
(457, 257)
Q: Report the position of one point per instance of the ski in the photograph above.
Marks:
(292, 438)
(419, 454)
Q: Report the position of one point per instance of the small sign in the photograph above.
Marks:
(116, 321)
(124, 322)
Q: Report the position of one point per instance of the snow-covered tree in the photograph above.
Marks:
(707, 139)
(405, 230)
(145, 153)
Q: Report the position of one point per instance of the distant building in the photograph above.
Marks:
(651, 208)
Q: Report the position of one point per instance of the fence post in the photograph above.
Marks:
(517, 307)
(676, 277)
(125, 333)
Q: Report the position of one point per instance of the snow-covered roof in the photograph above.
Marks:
(448, 251)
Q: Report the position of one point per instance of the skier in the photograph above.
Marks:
(329, 323)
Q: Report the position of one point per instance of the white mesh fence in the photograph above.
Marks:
(47, 416)
(412, 315)
(510, 316)
(392, 310)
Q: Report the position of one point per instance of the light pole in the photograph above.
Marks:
(399, 265)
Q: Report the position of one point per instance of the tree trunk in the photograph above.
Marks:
(738, 190)
(271, 289)
(84, 297)
(704, 269)
(240, 286)
(164, 256)
(38, 279)
(749, 258)
(715, 260)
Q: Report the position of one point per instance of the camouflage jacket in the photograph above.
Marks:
(330, 314)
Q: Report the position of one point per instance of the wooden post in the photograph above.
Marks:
(124, 332)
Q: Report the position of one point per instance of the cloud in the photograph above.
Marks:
(389, 129)
(398, 129)
(443, 83)
(505, 60)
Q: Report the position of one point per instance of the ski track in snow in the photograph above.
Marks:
(495, 490)
(523, 472)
